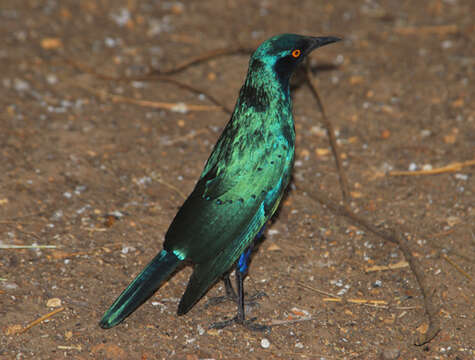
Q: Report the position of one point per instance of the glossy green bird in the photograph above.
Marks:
(239, 189)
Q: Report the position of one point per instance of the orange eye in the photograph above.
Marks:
(296, 53)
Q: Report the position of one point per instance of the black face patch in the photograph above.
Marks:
(255, 97)
(284, 68)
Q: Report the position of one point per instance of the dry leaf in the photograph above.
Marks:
(322, 151)
(356, 194)
(13, 329)
(355, 80)
(450, 139)
(51, 43)
(385, 134)
(453, 220)
(213, 332)
(273, 247)
(422, 329)
(458, 103)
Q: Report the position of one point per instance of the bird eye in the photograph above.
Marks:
(296, 53)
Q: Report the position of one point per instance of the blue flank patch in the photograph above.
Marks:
(243, 262)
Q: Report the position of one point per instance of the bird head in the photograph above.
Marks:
(282, 53)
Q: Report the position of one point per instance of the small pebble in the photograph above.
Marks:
(463, 177)
(412, 167)
(265, 343)
(53, 302)
(21, 85)
(390, 354)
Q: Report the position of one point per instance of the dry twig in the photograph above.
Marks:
(457, 166)
(399, 265)
(89, 70)
(40, 320)
(428, 30)
(331, 137)
(381, 304)
(397, 238)
(158, 179)
(6, 246)
(238, 50)
(457, 267)
(176, 107)
(292, 321)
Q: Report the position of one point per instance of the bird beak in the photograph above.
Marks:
(316, 42)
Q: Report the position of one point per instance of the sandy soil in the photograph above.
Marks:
(101, 180)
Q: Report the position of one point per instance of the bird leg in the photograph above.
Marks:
(242, 266)
(232, 296)
(240, 318)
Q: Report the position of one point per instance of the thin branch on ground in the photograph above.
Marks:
(381, 304)
(457, 267)
(457, 166)
(398, 265)
(394, 236)
(213, 54)
(428, 30)
(6, 246)
(331, 137)
(287, 322)
(192, 134)
(89, 70)
(40, 320)
(160, 180)
(175, 107)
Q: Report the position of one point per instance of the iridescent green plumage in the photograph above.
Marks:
(240, 187)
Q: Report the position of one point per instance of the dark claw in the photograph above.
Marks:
(257, 296)
(251, 303)
(218, 300)
(248, 324)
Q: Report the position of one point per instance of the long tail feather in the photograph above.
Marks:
(140, 289)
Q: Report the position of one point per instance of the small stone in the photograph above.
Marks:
(390, 354)
(463, 177)
(21, 85)
(412, 167)
(265, 343)
(201, 330)
(53, 302)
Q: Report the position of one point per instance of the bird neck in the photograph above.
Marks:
(264, 108)
(263, 90)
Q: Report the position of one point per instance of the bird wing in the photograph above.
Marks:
(220, 218)
(220, 210)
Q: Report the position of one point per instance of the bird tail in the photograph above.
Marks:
(141, 288)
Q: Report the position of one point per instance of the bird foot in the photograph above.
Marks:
(248, 324)
(250, 303)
